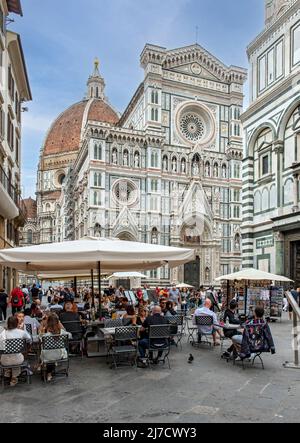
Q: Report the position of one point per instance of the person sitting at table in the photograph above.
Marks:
(231, 318)
(169, 310)
(215, 329)
(20, 317)
(12, 332)
(36, 311)
(53, 327)
(157, 319)
(163, 305)
(55, 305)
(35, 325)
(129, 319)
(244, 344)
(71, 321)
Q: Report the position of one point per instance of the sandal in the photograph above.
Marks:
(14, 382)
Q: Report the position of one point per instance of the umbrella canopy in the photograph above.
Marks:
(121, 275)
(184, 286)
(254, 274)
(83, 255)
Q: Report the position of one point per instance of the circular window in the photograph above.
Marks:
(192, 127)
(195, 123)
(125, 193)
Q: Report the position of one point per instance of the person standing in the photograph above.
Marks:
(3, 304)
(174, 296)
(34, 293)
(17, 300)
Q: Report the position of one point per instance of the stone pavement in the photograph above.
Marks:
(208, 391)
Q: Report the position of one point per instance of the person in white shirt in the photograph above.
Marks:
(12, 332)
(33, 322)
(215, 329)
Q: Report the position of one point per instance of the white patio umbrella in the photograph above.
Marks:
(125, 275)
(84, 255)
(184, 286)
(253, 275)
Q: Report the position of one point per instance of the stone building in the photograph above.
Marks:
(167, 171)
(14, 90)
(271, 170)
(29, 233)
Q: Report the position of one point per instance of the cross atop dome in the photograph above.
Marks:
(96, 83)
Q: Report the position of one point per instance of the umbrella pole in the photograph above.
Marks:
(75, 286)
(93, 292)
(246, 298)
(99, 285)
(228, 293)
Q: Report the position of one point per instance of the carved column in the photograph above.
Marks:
(296, 192)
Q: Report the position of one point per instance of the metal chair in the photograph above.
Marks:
(55, 343)
(76, 329)
(10, 347)
(204, 321)
(177, 328)
(126, 346)
(109, 323)
(191, 329)
(159, 341)
(257, 344)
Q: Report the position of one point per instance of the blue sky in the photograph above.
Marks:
(61, 38)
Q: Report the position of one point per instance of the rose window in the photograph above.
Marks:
(125, 193)
(192, 127)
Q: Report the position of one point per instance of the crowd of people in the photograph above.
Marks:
(59, 311)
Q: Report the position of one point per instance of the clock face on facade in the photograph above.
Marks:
(196, 69)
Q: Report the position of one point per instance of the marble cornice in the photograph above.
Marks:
(267, 33)
(270, 96)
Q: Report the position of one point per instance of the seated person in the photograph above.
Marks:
(247, 346)
(35, 325)
(169, 310)
(13, 332)
(71, 321)
(129, 319)
(207, 330)
(20, 317)
(36, 311)
(230, 317)
(55, 305)
(155, 319)
(52, 327)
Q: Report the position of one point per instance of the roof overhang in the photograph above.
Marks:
(15, 7)
(17, 56)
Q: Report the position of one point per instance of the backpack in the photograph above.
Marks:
(15, 300)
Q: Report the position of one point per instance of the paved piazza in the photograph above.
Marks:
(209, 391)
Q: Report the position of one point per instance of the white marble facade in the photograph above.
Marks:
(170, 171)
(271, 170)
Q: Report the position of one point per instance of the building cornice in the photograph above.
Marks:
(271, 96)
(275, 27)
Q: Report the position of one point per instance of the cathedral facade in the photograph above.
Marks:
(167, 171)
(271, 170)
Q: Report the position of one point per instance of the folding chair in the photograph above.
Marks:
(55, 343)
(15, 346)
(204, 321)
(257, 344)
(126, 346)
(159, 341)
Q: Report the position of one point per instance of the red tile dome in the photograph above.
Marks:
(65, 134)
